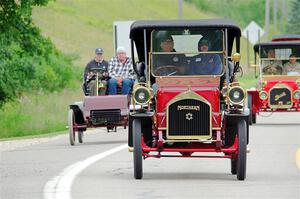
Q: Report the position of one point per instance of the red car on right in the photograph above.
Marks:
(278, 72)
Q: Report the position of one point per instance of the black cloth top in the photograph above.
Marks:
(94, 64)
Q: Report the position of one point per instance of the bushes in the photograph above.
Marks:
(28, 61)
(33, 64)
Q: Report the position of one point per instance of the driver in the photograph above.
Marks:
(98, 63)
(206, 63)
(272, 66)
(167, 64)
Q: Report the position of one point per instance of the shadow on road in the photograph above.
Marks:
(102, 142)
(158, 176)
(276, 124)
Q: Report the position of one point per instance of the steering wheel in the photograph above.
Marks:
(272, 69)
(168, 70)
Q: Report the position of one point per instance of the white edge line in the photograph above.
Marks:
(59, 187)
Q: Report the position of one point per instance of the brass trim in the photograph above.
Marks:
(263, 92)
(217, 128)
(189, 95)
(236, 57)
(163, 128)
(245, 94)
(130, 149)
(280, 106)
(144, 86)
(294, 94)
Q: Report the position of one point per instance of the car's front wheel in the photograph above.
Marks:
(242, 150)
(137, 149)
(71, 121)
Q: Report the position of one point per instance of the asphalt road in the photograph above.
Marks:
(54, 169)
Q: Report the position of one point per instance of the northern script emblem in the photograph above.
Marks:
(277, 97)
(196, 108)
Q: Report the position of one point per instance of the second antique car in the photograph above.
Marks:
(107, 111)
(188, 101)
(278, 87)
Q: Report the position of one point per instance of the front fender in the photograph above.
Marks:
(78, 113)
(232, 118)
(146, 124)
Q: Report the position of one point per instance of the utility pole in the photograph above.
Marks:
(248, 51)
(283, 12)
(267, 17)
(275, 8)
(179, 9)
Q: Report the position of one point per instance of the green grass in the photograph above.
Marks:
(36, 114)
(77, 27)
(247, 80)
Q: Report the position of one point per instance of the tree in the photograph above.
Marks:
(15, 12)
(293, 26)
(28, 61)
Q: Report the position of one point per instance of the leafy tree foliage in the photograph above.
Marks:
(293, 26)
(28, 61)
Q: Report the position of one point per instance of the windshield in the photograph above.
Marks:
(283, 60)
(187, 53)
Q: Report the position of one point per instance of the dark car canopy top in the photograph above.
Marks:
(138, 27)
(286, 38)
(276, 44)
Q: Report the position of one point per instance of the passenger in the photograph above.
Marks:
(98, 63)
(292, 67)
(121, 73)
(167, 64)
(272, 66)
(206, 63)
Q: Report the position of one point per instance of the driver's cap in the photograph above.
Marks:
(99, 51)
(203, 42)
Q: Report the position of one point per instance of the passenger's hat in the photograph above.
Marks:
(167, 37)
(163, 36)
(99, 51)
(203, 42)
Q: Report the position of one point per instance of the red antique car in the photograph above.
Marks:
(278, 88)
(187, 101)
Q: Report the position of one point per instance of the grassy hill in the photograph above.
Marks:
(77, 27)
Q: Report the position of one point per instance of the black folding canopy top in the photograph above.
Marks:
(138, 27)
(274, 45)
(286, 38)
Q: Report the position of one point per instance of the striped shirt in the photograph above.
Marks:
(117, 69)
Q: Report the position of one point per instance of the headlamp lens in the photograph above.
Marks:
(297, 94)
(263, 95)
(236, 95)
(142, 95)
